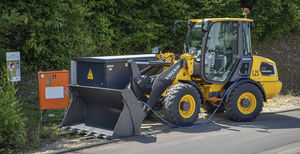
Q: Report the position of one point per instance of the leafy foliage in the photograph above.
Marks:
(274, 17)
(12, 122)
(50, 33)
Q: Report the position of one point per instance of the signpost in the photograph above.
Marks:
(13, 66)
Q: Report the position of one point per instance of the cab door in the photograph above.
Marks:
(221, 51)
(227, 52)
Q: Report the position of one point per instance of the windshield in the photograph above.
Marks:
(194, 40)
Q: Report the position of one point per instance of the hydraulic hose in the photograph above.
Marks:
(198, 125)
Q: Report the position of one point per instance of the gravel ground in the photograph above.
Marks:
(279, 103)
(282, 103)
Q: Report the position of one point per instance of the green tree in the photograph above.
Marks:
(274, 17)
(48, 33)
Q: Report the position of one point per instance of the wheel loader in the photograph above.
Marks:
(109, 93)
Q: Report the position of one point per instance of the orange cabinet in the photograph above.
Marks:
(53, 89)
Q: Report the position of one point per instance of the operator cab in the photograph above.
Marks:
(220, 44)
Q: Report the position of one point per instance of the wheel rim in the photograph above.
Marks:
(247, 103)
(187, 100)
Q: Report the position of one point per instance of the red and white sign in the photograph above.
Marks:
(11, 67)
(13, 63)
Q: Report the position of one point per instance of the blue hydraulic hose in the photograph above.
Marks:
(198, 125)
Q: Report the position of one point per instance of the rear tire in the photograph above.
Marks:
(181, 105)
(210, 108)
(245, 102)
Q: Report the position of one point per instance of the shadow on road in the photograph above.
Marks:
(268, 121)
(142, 139)
(263, 123)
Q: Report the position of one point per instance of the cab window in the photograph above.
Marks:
(246, 39)
(220, 49)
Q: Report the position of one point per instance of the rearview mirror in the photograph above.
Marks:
(205, 25)
(175, 25)
(156, 50)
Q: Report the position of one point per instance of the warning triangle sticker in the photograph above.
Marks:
(90, 75)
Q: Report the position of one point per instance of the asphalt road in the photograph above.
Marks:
(269, 133)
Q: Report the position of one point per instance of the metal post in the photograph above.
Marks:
(13, 90)
(41, 116)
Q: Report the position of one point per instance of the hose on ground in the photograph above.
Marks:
(198, 125)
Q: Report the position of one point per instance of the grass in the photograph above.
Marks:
(37, 133)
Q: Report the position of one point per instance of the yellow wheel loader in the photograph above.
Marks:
(109, 93)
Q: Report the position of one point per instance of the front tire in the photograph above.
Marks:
(245, 102)
(181, 105)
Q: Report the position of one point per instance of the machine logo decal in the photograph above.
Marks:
(172, 72)
(255, 73)
(90, 75)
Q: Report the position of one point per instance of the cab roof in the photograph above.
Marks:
(221, 19)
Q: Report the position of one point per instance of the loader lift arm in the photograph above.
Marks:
(160, 83)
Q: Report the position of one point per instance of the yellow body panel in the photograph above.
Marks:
(168, 56)
(255, 72)
(271, 84)
(206, 89)
(230, 19)
(190, 63)
(272, 88)
(195, 20)
(221, 19)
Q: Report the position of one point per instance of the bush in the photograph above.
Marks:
(48, 33)
(274, 18)
(52, 32)
(12, 122)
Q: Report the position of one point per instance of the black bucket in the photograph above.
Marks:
(109, 113)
